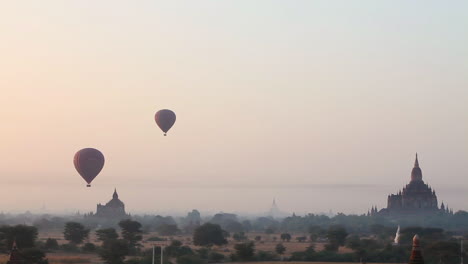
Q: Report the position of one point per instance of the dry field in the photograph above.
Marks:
(62, 258)
(266, 244)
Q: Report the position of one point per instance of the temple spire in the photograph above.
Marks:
(115, 195)
(416, 162)
(416, 173)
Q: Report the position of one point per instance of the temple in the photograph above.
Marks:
(115, 208)
(416, 198)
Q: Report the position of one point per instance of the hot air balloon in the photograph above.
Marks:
(165, 119)
(88, 162)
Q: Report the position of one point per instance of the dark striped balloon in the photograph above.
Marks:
(89, 163)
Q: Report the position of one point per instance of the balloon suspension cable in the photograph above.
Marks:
(88, 185)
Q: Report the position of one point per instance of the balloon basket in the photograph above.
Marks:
(88, 185)
(165, 134)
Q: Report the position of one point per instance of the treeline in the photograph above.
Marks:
(124, 244)
(167, 225)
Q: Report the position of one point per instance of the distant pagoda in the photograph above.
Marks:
(274, 210)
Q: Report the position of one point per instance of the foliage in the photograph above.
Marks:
(88, 247)
(336, 235)
(233, 226)
(363, 248)
(69, 247)
(175, 249)
(131, 232)
(114, 251)
(106, 234)
(25, 236)
(34, 256)
(203, 252)
(239, 236)
(265, 256)
(245, 251)
(316, 232)
(207, 234)
(280, 249)
(156, 239)
(215, 257)
(146, 257)
(190, 259)
(167, 230)
(285, 237)
(51, 243)
(301, 239)
(75, 232)
(246, 226)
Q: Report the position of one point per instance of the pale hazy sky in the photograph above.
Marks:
(321, 104)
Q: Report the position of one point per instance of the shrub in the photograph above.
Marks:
(215, 257)
(51, 243)
(190, 259)
(89, 247)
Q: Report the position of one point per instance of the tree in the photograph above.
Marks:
(301, 239)
(34, 256)
(215, 257)
(332, 247)
(75, 232)
(336, 235)
(106, 234)
(131, 232)
(207, 234)
(246, 225)
(239, 236)
(362, 247)
(285, 237)
(167, 230)
(176, 249)
(233, 226)
(316, 232)
(245, 251)
(89, 247)
(114, 251)
(51, 243)
(446, 251)
(25, 236)
(280, 249)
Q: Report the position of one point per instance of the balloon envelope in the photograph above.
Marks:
(165, 119)
(88, 162)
